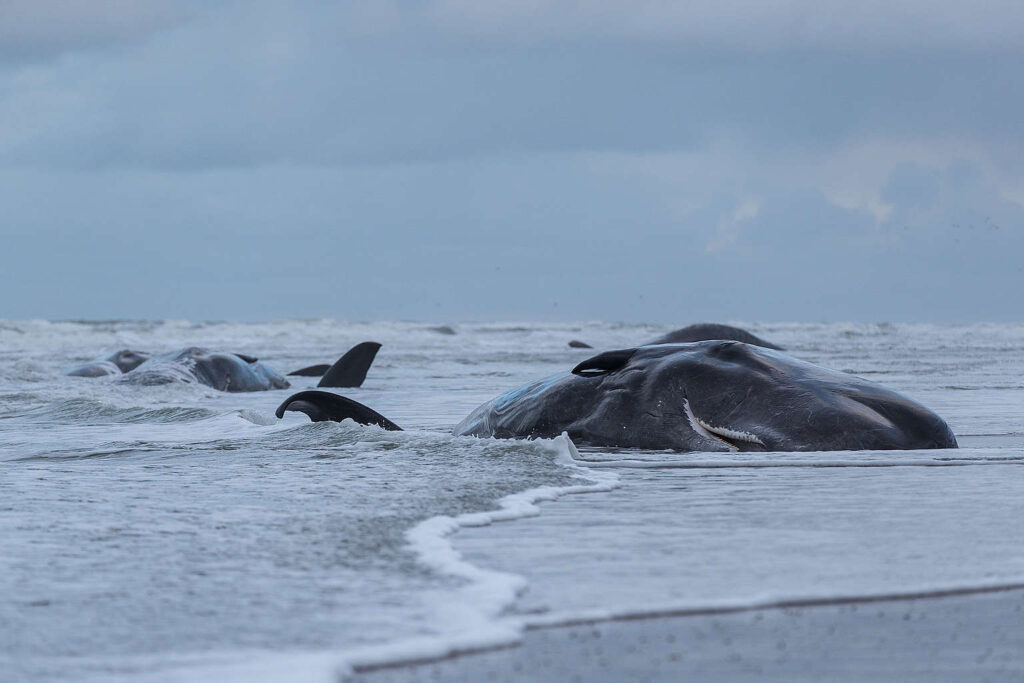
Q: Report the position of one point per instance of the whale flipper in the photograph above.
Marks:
(311, 371)
(603, 363)
(322, 406)
(350, 369)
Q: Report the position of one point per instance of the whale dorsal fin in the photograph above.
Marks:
(604, 363)
(350, 369)
(322, 406)
(247, 359)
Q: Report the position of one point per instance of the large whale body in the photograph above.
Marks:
(223, 371)
(702, 396)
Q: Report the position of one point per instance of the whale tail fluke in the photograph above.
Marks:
(311, 371)
(350, 369)
(322, 406)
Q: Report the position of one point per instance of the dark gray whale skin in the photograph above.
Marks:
(703, 396)
(710, 396)
(310, 371)
(222, 371)
(709, 331)
(350, 370)
(116, 363)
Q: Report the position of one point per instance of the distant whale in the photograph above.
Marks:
(701, 396)
(223, 371)
(710, 331)
(700, 332)
(115, 363)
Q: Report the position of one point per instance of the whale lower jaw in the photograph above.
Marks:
(734, 439)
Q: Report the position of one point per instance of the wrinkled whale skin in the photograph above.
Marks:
(710, 396)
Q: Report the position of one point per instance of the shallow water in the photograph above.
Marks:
(176, 532)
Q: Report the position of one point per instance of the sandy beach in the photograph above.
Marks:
(977, 637)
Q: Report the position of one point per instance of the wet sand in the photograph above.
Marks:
(963, 638)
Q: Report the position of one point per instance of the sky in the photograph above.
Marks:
(453, 160)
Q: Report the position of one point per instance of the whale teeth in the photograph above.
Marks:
(723, 434)
(731, 434)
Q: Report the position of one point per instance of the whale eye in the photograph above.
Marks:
(604, 363)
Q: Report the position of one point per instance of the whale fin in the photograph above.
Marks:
(311, 371)
(350, 369)
(577, 344)
(247, 359)
(604, 363)
(322, 406)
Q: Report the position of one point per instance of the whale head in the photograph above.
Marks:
(728, 395)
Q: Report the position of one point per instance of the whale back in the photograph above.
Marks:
(222, 371)
(711, 331)
(116, 363)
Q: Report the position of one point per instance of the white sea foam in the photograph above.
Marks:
(471, 615)
(686, 609)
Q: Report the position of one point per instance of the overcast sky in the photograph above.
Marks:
(633, 160)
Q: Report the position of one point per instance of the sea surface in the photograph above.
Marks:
(177, 533)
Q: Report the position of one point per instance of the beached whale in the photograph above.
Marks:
(701, 396)
(116, 363)
(224, 371)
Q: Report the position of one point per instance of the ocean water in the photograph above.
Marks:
(174, 532)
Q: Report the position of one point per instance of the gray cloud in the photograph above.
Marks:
(40, 29)
(526, 160)
(190, 106)
(743, 25)
(555, 236)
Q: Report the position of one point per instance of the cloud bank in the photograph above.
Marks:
(491, 160)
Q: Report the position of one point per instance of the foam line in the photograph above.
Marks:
(330, 667)
(732, 607)
(762, 464)
(489, 592)
(475, 612)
